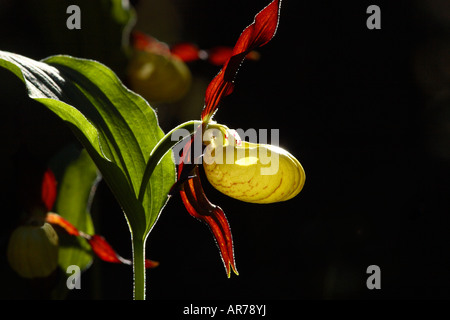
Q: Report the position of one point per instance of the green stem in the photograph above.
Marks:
(138, 268)
(163, 146)
(138, 242)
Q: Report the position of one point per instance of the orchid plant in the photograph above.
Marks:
(120, 132)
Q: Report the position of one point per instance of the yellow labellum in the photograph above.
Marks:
(33, 250)
(256, 173)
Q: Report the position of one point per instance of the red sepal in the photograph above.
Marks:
(48, 189)
(255, 35)
(56, 219)
(99, 245)
(105, 252)
(200, 207)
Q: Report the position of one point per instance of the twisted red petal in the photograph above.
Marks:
(56, 219)
(99, 245)
(200, 207)
(104, 251)
(257, 34)
(185, 157)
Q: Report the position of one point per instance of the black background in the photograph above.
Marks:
(366, 112)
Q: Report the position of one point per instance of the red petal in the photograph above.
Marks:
(255, 35)
(48, 189)
(56, 219)
(201, 208)
(144, 42)
(103, 250)
(187, 52)
(186, 154)
(220, 55)
(98, 243)
(187, 157)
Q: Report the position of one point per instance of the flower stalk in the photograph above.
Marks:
(159, 151)
(139, 274)
(138, 242)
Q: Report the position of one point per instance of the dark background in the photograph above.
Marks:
(366, 112)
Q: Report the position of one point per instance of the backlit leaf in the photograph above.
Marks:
(116, 126)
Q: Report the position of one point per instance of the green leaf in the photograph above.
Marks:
(117, 127)
(75, 193)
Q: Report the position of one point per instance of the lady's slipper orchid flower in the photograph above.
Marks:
(244, 178)
(33, 250)
(250, 172)
(99, 245)
(33, 247)
(154, 72)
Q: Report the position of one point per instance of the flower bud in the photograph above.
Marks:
(157, 77)
(257, 173)
(33, 250)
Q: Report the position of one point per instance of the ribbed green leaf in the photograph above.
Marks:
(73, 203)
(117, 127)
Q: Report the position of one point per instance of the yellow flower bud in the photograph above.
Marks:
(250, 172)
(158, 78)
(33, 250)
